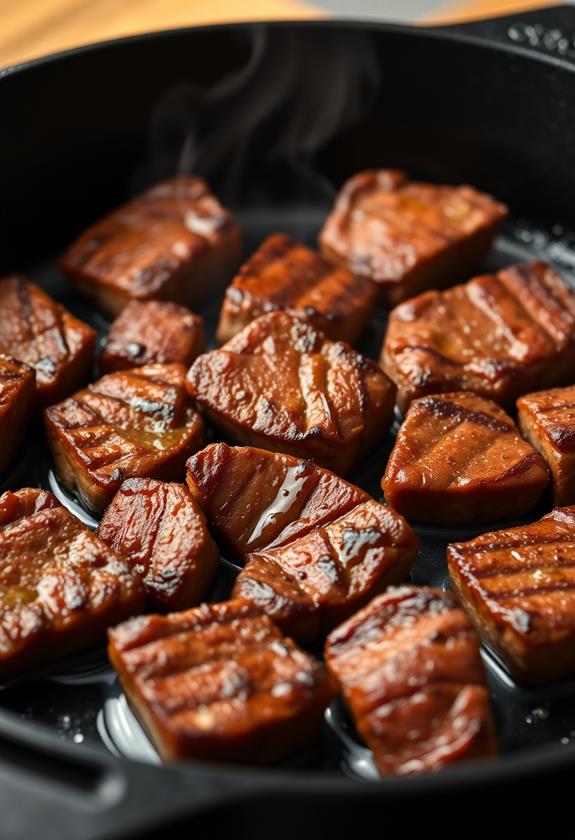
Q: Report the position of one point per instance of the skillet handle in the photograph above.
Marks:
(548, 31)
(57, 790)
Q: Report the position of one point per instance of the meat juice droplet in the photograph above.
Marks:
(285, 499)
(536, 715)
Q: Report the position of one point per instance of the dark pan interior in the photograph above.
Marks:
(276, 116)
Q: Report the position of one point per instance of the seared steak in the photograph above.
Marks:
(281, 385)
(459, 458)
(408, 236)
(173, 242)
(220, 683)
(411, 673)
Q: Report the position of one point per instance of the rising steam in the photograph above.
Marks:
(293, 91)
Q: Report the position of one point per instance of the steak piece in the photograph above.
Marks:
(518, 586)
(547, 420)
(411, 673)
(152, 332)
(254, 499)
(311, 584)
(220, 683)
(500, 335)
(173, 242)
(60, 586)
(17, 398)
(39, 332)
(161, 531)
(132, 424)
(281, 385)
(459, 459)
(285, 275)
(407, 236)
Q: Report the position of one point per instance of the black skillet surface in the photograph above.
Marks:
(275, 116)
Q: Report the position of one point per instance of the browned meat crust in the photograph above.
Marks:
(459, 459)
(410, 670)
(220, 683)
(137, 423)
(36, 330)
(60, 586)
(161, 531)
(499, 335)
(254, 499)
(17, 398)
(518, 587)
(281, 385)
(173, 242)
(547, 419)
(285, 275)
(152, 332)
(311, 584)
(408, 236)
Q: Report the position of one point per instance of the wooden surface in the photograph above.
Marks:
(30, 28)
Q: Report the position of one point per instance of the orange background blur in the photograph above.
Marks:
(35, 27)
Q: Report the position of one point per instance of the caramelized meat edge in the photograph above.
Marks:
(459, 459)
(281, 385)
(220, 683)
(411, 673)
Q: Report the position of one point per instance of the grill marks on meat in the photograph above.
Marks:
(410, 670)
(547, 419)
(152, 332)
(315, 547)
(254, 499)
(459, 458)
(42, 334)
(312, 583)
(60, 586)
(518, 586)
(285, 275)
(17, 398)
(173, 242)
(409, 236)
(280, 384)
(138, 423)
(498, 335)
(220, 683)
(161, 531)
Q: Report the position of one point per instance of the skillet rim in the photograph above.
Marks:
(518, 766)
(456, 32)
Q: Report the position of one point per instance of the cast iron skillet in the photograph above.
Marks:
(276, 116)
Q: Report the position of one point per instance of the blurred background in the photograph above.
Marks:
(31, 28)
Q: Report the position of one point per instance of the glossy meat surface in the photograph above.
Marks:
(459, 458)
(311, 584)
(173, 242)
(38, 331)
(152, 332)
(160, 530)
(518, 586)
(131, 424)
(17, 399)
(220, 683)
(254, 499)
(547, 420)
(499, 335)
(281, 385)
(409, 236)
(411, 673)
(283, 274)
(60, 586)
